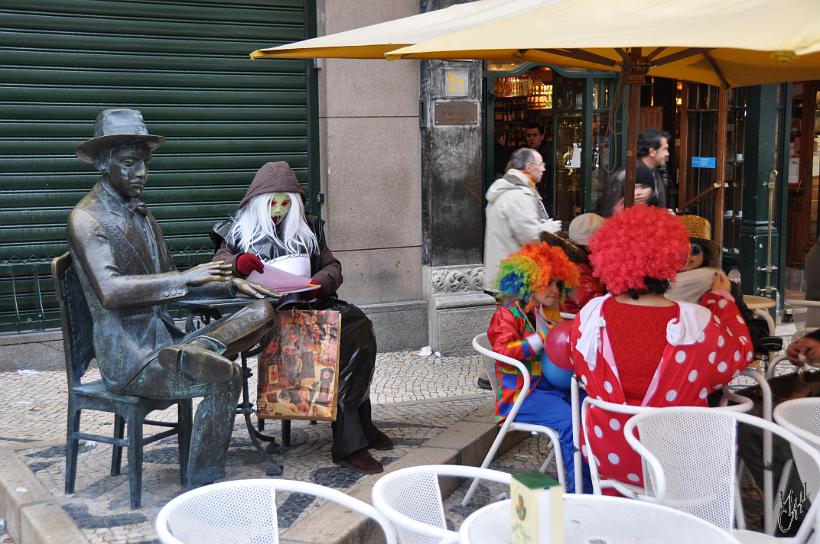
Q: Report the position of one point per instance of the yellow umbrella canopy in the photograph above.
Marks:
(372, 42)
(731, 43)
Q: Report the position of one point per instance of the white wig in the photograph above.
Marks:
(252, 224)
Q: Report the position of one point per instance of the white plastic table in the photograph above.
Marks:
(595, 519)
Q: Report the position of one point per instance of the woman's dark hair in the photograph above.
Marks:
(645, 176)
(653, 286)
(614, 190)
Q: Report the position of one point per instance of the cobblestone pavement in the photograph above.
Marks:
(414, 399)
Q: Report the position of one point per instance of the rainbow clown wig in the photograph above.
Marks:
(639, 243)
(530, 270)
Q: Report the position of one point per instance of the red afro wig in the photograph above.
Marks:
(639, 242)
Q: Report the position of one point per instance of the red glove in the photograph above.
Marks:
(247, 263)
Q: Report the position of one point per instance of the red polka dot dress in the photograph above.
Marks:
(701, 349)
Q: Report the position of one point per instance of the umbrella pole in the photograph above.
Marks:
(720, 172)
(633, 114)
(634, 73)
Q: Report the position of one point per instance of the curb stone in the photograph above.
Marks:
(32, 515)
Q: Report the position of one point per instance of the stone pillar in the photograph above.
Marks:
(452, 200)
(370, 166)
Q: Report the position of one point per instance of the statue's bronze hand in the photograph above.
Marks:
(206, 273)
(250, 288)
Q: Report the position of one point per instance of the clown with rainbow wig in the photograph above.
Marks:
(533, 280)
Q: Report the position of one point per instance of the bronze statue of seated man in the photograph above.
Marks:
(128, 277)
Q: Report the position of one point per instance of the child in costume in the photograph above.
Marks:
(271, 223)
(534, 279)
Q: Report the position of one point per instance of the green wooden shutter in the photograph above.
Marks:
(185, 65)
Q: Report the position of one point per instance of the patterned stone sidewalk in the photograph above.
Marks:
(414, 399)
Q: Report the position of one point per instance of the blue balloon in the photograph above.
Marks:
(555, 375)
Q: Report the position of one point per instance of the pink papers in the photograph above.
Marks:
(280, 281)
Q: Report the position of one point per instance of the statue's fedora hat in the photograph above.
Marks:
(114, 128)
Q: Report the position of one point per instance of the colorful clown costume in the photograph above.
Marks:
(545, 404)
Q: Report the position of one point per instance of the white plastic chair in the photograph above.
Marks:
(411, 499)
(802, 417)
(773, 364)
(768, 480)
(575, 403)
(768, 492)
(742, 404)
(244, 511)
(482, 345)
(689, 463)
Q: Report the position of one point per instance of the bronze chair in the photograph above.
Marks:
(129, 411)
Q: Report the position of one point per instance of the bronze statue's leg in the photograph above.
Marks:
(213, 425)
(213, 422)
(241, 331)
(205, 354)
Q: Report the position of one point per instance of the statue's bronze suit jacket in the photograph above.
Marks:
(126, 287)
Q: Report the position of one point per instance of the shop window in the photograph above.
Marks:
(542, 109)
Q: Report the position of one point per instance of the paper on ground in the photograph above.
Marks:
(282, 281)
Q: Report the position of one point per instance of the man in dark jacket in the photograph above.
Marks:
(271, 223)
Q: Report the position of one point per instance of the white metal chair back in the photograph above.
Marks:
(598, 483)
(244, 511)
(689, 456)
(742, 404)
(802, 417)
(480, 343)
(489, 362)
(411, 499)
(697, 454)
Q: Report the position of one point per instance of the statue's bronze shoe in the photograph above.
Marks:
(203, 365)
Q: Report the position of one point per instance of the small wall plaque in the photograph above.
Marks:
(456, 83)
(456, 112)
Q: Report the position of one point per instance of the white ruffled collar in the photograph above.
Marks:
(686, 330)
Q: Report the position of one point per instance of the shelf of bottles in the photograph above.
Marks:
(570, 172)
(601, 165)
(520, 101)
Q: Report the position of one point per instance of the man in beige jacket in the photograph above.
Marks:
(515, 214)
